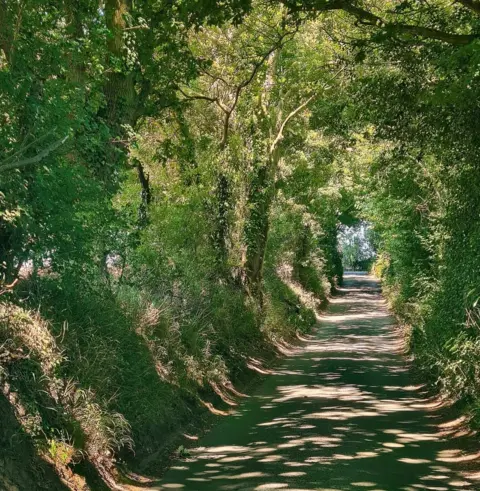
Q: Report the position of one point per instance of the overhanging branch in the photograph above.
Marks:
(291, 115)
(278, 45)
(370, 19)
(238, 88)
(16, 164)
(366, 17)
(471, 4)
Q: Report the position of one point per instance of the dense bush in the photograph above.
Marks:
(419, 189)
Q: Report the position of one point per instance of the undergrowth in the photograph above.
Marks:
(442, 323)
(101, 377)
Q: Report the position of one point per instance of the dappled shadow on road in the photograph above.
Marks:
(341, 413)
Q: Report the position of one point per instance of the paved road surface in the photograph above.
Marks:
(342, 413)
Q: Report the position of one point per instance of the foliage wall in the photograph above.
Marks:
(168, 218)
(410, 115)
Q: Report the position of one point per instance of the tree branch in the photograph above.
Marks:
(7, 288)
(24, 146)
(280, 43)
(283, 38)
(471, 4)
(428, 33)
(192, 97)
(32, 160)
(368, 18)
(214, 77)
(291, 115)
(134, 28)
(203, 97)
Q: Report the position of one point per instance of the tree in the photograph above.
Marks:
(405, 20)
(249, 95)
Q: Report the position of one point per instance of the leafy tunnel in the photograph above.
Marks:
(183, 184)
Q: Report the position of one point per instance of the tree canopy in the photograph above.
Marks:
(174, 173)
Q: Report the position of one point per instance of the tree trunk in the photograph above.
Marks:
(124, 104)
(119, 89)
(73, 9)
(301, 255)
(6, 23)
(260, 199)
(145, 195)
(220, 234)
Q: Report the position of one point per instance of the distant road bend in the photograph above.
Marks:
(341, 413)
